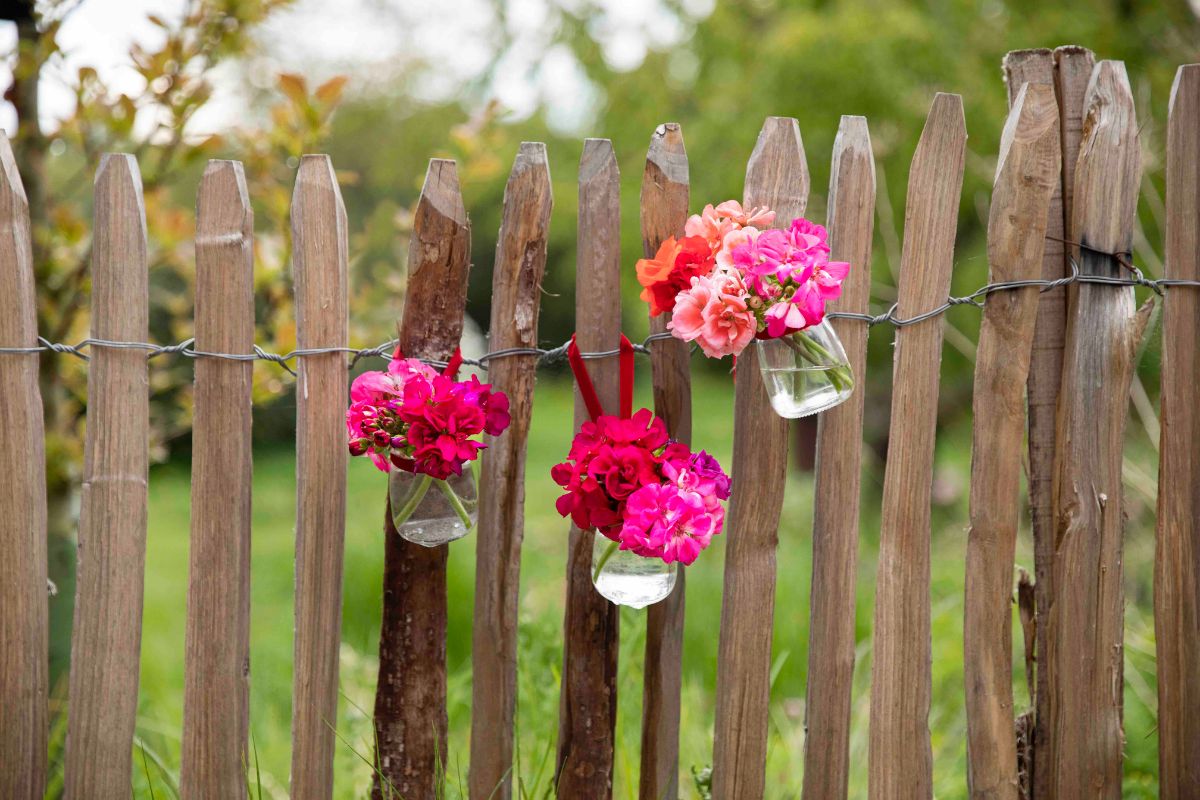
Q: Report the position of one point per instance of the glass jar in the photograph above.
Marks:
(430, 512)
(805, 372)
(628, 579)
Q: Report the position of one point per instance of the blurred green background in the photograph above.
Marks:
(382, 87)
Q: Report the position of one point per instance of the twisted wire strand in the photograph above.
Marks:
(558, 354)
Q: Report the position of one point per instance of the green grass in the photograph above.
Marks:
(540, 647)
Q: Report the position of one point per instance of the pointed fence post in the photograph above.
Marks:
(1103, 331)
(23, 597)
(320, 265)
(217, 656)
(831, 642)
(410, 696)
(1177, 556)
(776, 176)
(1067, 69)
(107, 635)
(588, 705)
(664, 205)
(516, 300)
(900, 758)
(1027, 174)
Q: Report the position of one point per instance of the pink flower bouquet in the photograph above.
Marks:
(413, 421)
(731, 281)
(650, 496)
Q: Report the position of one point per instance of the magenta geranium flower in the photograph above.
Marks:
(414, 419)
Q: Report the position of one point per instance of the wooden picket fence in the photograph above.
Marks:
(1068, 172)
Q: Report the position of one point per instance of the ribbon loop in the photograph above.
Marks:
(584, 381)
(626, 369)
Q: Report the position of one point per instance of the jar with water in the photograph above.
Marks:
(431, 512)
(628, 579)
(805, 372)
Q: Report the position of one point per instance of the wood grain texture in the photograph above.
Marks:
(107, 634)
(319, 262)
(217, 658)
(664, 211)
(24, 645)
(776, 176)
(588, 703)
(900, 757)
(1027, 174)
(1069, 70)
(410, 696)
(1103, 330)
(1177, 556)
(516, 300)
(851, 219)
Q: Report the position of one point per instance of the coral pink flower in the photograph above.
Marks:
(714, 224)
(671, 270)
(717, 319)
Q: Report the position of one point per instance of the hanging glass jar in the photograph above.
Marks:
(626, 578)
(431, 512)
(805, 372)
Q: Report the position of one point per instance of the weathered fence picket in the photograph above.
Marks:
(411, 727)
(1027, 174)
(1087, 618)
(320, 264)
(24, 646)
(664, 211)
(1177, 556)
(1067, 69)
(516, 301)
(831, 633)
(900, 759)
(107, 634)
(776, 176)
(216, 700)
(588, 707)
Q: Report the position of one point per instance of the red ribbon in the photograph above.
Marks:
(582, 379)
(456, 360)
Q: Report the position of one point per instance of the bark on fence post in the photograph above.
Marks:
(900, 763)
(24, 599)
(831, 643)
(410, 696)
(319, 262)
(516, 299)
(107, 635)
(1177, 556)
(1027, 174)
(216, 714)
(588, 706)
(1103, 330)
(776, 176)
(664, 204)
